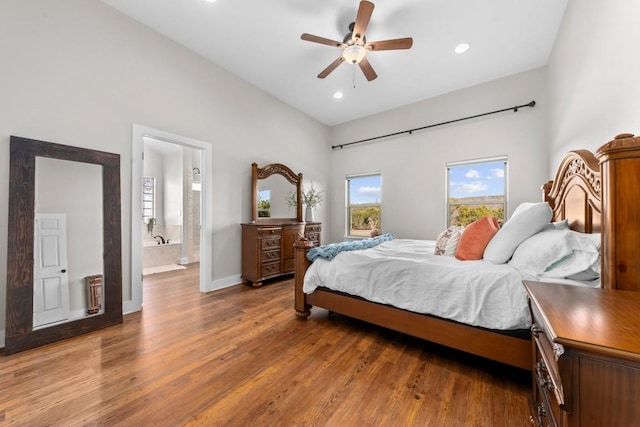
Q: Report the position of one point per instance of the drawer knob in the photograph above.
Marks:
(542, 413)
(535, 330)
(544, 380)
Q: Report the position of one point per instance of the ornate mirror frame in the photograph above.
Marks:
(274, 169)
(19, 333)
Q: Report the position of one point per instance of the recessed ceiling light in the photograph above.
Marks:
(337, 95)
(461, 48)
(210, 1)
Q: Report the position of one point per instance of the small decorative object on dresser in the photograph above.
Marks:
(586, 348)
(267, 242)
(310, 198)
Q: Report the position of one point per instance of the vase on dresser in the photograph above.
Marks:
(308, 214)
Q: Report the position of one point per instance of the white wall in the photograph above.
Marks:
(173, 188)
(594, 82)
(413, 166)
(80, 73)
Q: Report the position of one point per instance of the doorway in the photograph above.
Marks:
(202, 236)
(170, 206)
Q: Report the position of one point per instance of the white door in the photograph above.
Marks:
(50, 281)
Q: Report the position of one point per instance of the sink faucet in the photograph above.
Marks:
(161, 238)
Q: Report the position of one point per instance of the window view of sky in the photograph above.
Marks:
(264, 194)
(364, 189)
(474, 180)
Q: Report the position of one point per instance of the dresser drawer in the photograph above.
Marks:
(269, 231)
(269, 269)
(267, 244)
(287, 266)
(314, 237)
(312, 229)
(547, 407)
(546, 359)
(270, 256)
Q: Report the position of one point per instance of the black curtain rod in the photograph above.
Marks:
(410, 131)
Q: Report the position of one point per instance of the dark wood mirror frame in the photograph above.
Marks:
(274, 169)
(19, 333)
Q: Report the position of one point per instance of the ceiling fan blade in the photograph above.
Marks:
(321, 40)
(394, 44)
(367, 69)
(362, 20)
(324, 73)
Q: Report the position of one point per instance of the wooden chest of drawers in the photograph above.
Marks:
(267, 247)
(586, 348)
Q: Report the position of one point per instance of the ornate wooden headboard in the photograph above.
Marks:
(575, 192)
(601, 194)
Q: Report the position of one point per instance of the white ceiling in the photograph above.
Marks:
(259, 41)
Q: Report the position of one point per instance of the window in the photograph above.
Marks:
(363, 204)
(476, 189)
(148, 198)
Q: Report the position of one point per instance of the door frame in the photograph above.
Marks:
(206, 229)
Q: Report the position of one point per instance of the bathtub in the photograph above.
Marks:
(155, 254)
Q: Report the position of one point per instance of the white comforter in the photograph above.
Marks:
(406, 274)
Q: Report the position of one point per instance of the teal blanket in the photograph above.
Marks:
(329, 251)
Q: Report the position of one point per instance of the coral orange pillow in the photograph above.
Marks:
(476, 237)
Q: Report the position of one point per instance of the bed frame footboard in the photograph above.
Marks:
(301, 264)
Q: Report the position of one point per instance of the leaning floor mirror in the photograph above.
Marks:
(64, 266)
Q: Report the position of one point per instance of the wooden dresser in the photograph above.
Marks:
(586, 355)
(267, 247)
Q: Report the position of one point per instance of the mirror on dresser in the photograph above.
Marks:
(267, 241)
(275, 181)
(58, 289)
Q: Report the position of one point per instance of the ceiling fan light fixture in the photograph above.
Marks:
(354, 53)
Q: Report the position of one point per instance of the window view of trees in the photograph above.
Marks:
(364, 219)
(462, 213)
(264, 203)
(476, 189)
(363, 204)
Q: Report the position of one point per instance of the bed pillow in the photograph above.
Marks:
(447, 241)
(589, 275)
(540, 251)
(584, 255)
(526, 221)
(559, 254)
(558, 225)
(475, 238)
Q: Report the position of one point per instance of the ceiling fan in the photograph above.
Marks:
(355, 46)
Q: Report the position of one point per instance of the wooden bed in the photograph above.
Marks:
(595, 193)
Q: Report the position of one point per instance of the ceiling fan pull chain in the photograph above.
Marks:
(353, 79)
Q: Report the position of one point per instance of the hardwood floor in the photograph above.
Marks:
(239, 357)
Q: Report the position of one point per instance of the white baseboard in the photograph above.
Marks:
(129, 307)
(223, 283)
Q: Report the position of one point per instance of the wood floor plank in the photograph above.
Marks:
(240, 357)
